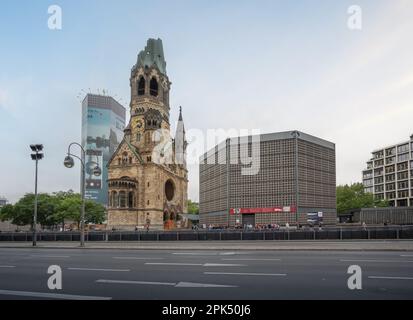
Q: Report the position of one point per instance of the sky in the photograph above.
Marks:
(267, 65)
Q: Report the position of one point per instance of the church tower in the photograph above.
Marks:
(148, 177)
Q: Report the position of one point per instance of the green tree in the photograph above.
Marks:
(52, 210)
(70, 208)
(193, 207)
(21, 213)
(354, 197)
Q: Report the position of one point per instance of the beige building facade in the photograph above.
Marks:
(148, 177)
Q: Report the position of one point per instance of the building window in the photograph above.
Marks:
(122, 199)
(154, 87)
(115, 200)
(138, 137)
(130, 200)
(141, 86)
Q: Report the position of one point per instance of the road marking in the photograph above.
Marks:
(136, 258)
(172, 264)
(47, 256)
(391, 278)
(169, 284)
(136, 282)
(406, 255)
(194, 264)
(193, 254)
(247, 274)
(384, 261)
(223, 265)
(202, 285)
(208, 253)
(248, 259)
(50, 295)
(7, 266)
(104, 270)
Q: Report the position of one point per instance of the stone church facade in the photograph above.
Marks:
(148, 177)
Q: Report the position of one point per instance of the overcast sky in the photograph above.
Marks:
(268, 65)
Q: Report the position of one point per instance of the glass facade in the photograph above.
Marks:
(103, 122)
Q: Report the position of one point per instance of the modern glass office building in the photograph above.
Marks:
(103, 122)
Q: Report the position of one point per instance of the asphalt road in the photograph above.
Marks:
(196, 274)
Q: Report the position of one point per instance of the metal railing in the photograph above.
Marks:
(382, 233)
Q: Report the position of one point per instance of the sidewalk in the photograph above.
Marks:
(373, 245)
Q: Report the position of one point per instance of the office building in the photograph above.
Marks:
(103, 122)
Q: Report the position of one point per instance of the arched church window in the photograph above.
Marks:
(125, 158)
(122, 199)
(141, 86)
(154, 87)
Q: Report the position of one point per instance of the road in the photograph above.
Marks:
(208, 274)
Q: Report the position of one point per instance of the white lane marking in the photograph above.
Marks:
(391, 278)
(136, 258)
(50, 295)
(223, 265)
(384, 261)
(7, 266)
(169, 284)
(248, 259)
(104, 270)
(406, 255)
(202, 285)
(194, 264)
(172, 264)
(47, 256)
(193, 254)
(136, 282)
(208, 253)
(247, 274)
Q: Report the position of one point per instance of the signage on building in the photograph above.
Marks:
(279, 209)
(314, 217)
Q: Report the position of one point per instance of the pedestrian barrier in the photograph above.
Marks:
(379, 233)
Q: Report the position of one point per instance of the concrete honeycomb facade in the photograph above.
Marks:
(224, 187)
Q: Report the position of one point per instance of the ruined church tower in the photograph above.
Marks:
(148, 177)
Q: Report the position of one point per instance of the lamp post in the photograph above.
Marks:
(36, 156)
(97, 171)
(296, 135)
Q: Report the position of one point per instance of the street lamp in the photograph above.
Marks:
(36, 156)
(296, 135)
(97, 171)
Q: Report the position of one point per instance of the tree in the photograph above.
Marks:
(70, 208)
(354, 197)
(21, 213)
(193, 207)
(52, 210)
